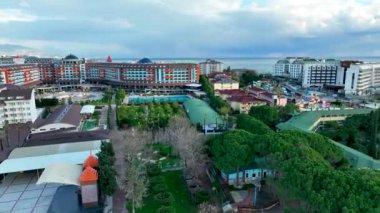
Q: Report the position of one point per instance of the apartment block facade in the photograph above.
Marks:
(209, 66)
(17, 105)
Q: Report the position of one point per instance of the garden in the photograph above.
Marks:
(152, 115)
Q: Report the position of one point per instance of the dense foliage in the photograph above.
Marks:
(216, 102)
(119, 97)
(153, 115)
(107, 172)
(359, 132)
(46, 102)
(252, 125)
(267, 114)
(309, 168)
(247, 77)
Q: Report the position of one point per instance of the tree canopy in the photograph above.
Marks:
(308, 167)
(252, 125)
(267, 114)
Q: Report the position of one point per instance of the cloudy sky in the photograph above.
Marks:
(190, 28)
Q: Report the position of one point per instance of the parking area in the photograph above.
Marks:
(19, 193)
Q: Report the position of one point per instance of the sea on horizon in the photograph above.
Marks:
(261, 65)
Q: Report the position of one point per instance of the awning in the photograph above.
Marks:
(40, 157)
(63, 173)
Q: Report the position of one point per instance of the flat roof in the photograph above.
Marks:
(40, 157)
(87, 109)
(62, 136)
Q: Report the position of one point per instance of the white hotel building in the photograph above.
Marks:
(17, 105)
(363, 79)
(311, 72)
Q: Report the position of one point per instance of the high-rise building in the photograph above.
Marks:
(311, 72)
(320, 73)
(17, 105)
(209, 66)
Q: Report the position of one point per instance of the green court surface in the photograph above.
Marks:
(89, 124)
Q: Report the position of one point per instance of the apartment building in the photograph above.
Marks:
(209, 66)
(17, 105)
(19, 74)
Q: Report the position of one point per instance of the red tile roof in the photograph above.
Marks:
(244, 99)
(232, 92)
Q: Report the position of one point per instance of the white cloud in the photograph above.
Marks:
(15, 15)
(24, 3)
(116, 22)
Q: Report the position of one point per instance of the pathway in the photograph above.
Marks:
(117, 139)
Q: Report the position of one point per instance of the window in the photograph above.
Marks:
(254, 175)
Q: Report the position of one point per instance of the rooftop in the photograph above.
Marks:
(87, 109)
(69, 114)
(245, 99)
(71, 57)
(201, 113)
(145, 61)
(305, 120)
(15, 93)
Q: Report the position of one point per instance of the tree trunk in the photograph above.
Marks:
(237, 176)
(133, 205)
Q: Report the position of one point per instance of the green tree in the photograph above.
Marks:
(252, 125)
(267, 114)
(232, 150)
(107, 172)
(373, 146)
(287, 111)
(247, 77)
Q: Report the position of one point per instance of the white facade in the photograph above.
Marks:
(320, 73)
(17, 109)
(362, 79)
(288, 69)
(210, 66)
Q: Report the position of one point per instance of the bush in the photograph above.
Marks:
(165, 150)
(153, 170)
(201, 197)
(166, 209)
(156, 180)
(164, 197)
(161, 187)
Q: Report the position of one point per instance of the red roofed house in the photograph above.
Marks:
(221, 81)
(243, 104)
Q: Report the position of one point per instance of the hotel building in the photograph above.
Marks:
(144, 73)
(17, 105)
(209, 66)
(362, 79)
(320, 73)
(19, 74)
(45, 66)
(69, 70)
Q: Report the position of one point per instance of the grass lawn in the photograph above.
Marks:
(177, 186)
